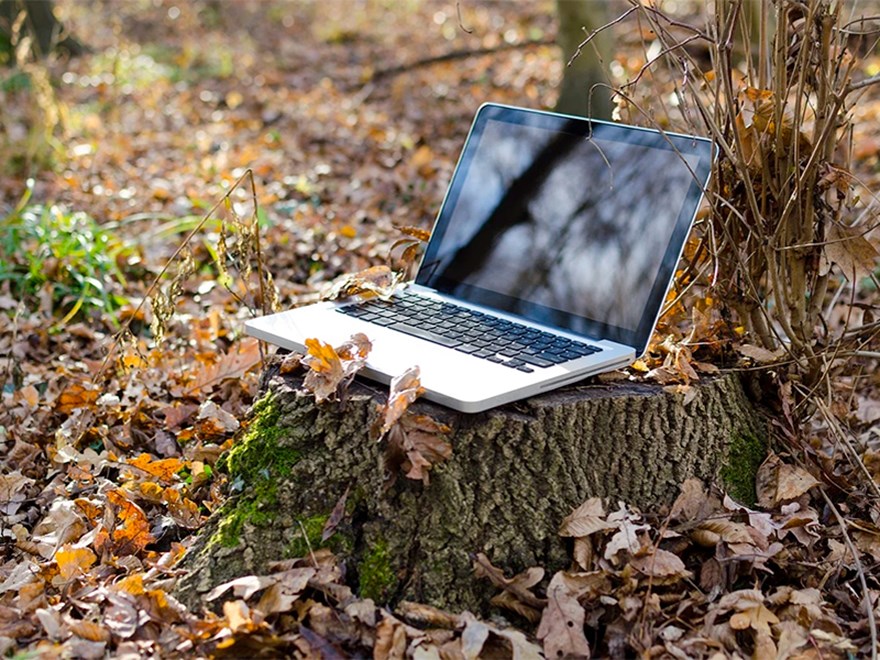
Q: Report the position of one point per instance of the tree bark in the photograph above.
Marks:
(579, 94)
(514, 474)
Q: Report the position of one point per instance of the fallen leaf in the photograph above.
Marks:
(74, 562)
(587, 519)
(377, 281)
(660, 564)
(238, 360)
(405, 389)
(792, 482)
(331, 369)
(692, 503)
(562, 624)
(165, 469)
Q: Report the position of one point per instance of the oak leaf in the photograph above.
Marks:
(331, 369)
(165, 469)
(237, 361)
(133, 534)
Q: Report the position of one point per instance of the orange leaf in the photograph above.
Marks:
(76, 396)
(133, 534)
(93, 632)
(405, 389)
(165, 469)
(73, 562)
(416, 232)
(330, 369)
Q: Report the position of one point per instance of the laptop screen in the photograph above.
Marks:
(568, 222)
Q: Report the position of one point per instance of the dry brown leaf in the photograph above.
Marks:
(519, 585)
(851, 251)
(331, 369)
(587, 519)
(405, 389)
(562, 624)
(792, 482)
(660, 564)
(760, 355)
(237, 361)
(692, 503)
(377, 281)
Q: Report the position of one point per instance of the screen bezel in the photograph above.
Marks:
(596, 329)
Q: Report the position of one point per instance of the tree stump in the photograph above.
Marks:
(514, 474)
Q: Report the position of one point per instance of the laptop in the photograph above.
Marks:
(550, 259)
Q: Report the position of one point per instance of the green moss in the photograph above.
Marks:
(300, 544)
(255, 463)
(257, 454)
(377, 577)
(747, 452)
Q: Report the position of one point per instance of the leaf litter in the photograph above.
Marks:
(105, 472)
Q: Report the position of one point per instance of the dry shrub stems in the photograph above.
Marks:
(785, 244)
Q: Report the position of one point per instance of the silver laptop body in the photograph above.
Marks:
(550, 260)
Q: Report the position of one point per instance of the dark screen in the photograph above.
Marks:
(568, 223)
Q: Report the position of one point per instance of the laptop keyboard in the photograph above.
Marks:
(514, 345)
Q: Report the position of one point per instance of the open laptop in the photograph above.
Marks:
(549, 261)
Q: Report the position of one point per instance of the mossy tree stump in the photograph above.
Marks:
(515, 473)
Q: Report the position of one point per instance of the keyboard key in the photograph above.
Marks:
(536, 361)
(467, 348)
(476, 333)
(423, 334)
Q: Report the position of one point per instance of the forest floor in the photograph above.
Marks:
(115, 412)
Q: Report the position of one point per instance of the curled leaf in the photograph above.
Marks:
(330, 370)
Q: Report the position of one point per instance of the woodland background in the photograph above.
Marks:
(135, 177)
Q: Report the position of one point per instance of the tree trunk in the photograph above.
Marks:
(579, 94)
(514, 474)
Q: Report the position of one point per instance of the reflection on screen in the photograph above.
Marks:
(572, 223)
